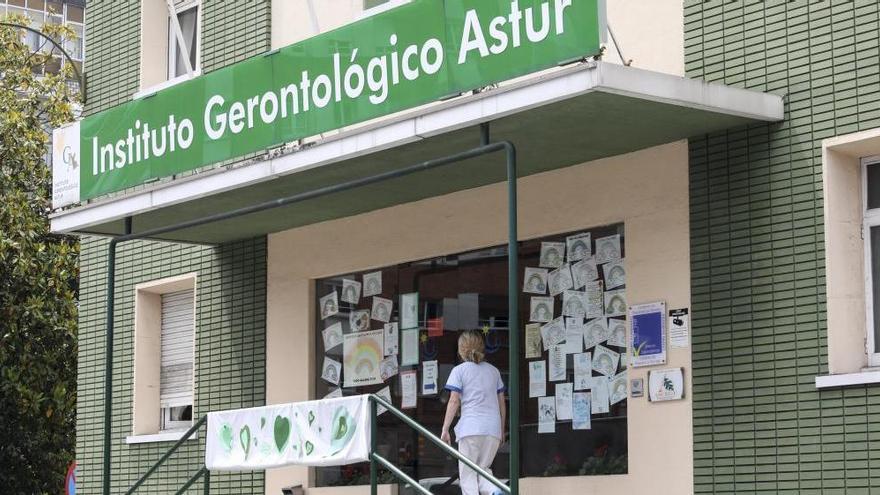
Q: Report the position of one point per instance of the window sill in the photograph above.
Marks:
(150, 91)
(848, 380)
(171, 436)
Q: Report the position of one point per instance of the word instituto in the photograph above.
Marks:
(431, 49)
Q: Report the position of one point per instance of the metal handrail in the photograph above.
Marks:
(186, 436)
(375, 458)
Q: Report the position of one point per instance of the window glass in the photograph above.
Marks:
(873, 185)
(455, 293)
(875, 280)
(74, 14)
(188, 21)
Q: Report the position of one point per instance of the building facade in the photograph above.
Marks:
(747, 201)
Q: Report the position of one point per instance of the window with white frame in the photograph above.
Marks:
(372, 7)
(183, 41)
(176, 360)
(871, 235)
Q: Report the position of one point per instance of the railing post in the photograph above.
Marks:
(374, 468)
(513, 318)
(207, 483)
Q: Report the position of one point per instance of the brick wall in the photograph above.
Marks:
(758, 283)
(232, 31)
(230, 355)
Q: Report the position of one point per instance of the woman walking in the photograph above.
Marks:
(476, 387)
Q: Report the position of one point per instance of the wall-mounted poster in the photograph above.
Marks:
(648, 334)
(409, 347)
(351, 291)
(329, 305)
(372, 284)
(666, 384)
(361, 354)
(409, 310)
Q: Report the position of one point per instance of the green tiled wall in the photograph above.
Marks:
(232, 31)
(230, 355)
(757, 250)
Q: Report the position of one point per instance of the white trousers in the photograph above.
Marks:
(480, 449)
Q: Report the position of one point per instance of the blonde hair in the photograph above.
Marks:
(471, 347)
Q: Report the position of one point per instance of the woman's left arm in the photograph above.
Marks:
(451, 410)
(502, 406)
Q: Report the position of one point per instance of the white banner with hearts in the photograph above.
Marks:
(328, 432)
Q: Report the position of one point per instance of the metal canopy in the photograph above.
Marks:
(561, 119)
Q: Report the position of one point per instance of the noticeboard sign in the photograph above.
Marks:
(416, 53)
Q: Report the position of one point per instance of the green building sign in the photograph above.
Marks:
(419, 52)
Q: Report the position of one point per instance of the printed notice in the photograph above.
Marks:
(429, 378)
(533, 344)
(599, 395)
(648, 334)
(537, 379)
(679, 323)
(580, 409)
(583, 370)
(557, 363)
(563, 401)
(408, 389)
(409, 343)
(546, 415)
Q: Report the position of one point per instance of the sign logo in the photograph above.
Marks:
(65, 165)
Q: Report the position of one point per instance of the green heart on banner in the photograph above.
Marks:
(309, 448)
(244, 436)
(282, 432)
(226, 437)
